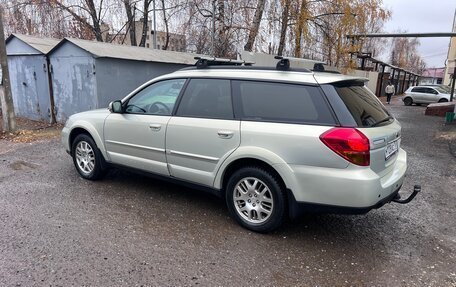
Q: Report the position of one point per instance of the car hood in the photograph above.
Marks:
(98, 114)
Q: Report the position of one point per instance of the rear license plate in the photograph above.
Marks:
(391, 149)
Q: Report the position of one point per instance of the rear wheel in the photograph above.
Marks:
(443, 100)
(256, 199)
(408, 101)
(87, 158)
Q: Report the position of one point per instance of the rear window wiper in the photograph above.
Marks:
(382, 121)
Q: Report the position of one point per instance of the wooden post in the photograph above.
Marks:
(9, 119)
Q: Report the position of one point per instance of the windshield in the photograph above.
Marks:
(442, 89)
(364, 106)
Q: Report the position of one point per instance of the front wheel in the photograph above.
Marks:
(443, 100)
(256, 199)
(87, 159)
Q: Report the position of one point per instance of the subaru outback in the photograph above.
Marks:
(273, 143)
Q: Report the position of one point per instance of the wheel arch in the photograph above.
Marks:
(248, 161)
(89, 130)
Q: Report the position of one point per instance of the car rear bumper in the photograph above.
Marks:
(350, 190)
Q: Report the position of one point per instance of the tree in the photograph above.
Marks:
(131, 27)
(87, 6)
(255, 25)
(404, 54)
(9, 119)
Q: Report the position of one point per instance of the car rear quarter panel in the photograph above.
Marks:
(284, 144)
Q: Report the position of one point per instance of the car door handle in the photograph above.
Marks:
(155, 127)
(225, 134)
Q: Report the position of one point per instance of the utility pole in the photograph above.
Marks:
(453, 83)
(9, 120)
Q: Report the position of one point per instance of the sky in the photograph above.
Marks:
(423, 16)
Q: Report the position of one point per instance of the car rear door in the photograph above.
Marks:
(418, 94)
(203, 131)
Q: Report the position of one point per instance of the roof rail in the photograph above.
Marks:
(203, 62)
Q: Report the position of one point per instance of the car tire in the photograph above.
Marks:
(443, 100)
(256, 199)
(408, 101)
(87, 158)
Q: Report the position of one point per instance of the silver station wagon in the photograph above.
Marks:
(272, 142)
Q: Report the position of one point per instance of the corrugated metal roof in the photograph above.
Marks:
(108, 50)
(44, 45)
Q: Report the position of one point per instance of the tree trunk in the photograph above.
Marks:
(283, 28)
(300, 29)
(221, 44)
(9, 119)
(95, 20)
(165, 20)
(145, 28)
(255, 26)
(131, 22)
(95, 27)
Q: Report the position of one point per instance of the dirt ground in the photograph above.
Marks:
(57, 229)
(29, 131)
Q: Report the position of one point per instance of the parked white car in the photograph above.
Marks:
(272, 143)
(425, 95)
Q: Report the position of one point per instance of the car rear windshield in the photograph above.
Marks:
(363, 105)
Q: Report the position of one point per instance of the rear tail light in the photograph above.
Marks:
(349, 143)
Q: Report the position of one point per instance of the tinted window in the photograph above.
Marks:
(363, 105)
(430, 91)
(418, 90)
(156, 99)
(282, 103)
(207, 98)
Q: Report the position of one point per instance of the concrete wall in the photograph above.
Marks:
(372, 76)
(73, 81)
(29, 86)
(116, 78)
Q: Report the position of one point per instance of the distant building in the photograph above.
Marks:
(176, 42)
(451, 60)
(432, 76)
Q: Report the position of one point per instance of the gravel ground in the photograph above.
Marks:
(58, 229)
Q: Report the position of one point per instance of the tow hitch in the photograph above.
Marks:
(416, 190)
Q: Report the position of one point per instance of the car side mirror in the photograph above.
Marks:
(115, 107)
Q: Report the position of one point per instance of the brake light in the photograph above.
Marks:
(349, 143)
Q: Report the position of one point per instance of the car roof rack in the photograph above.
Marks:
(204, 62)
(283, 64)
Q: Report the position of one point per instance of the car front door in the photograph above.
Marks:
(203, 132)
(136, 137)
(432, 95)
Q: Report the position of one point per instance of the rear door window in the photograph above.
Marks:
(280, 102)
(419, 90)
(207, 98)
(362, 104)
